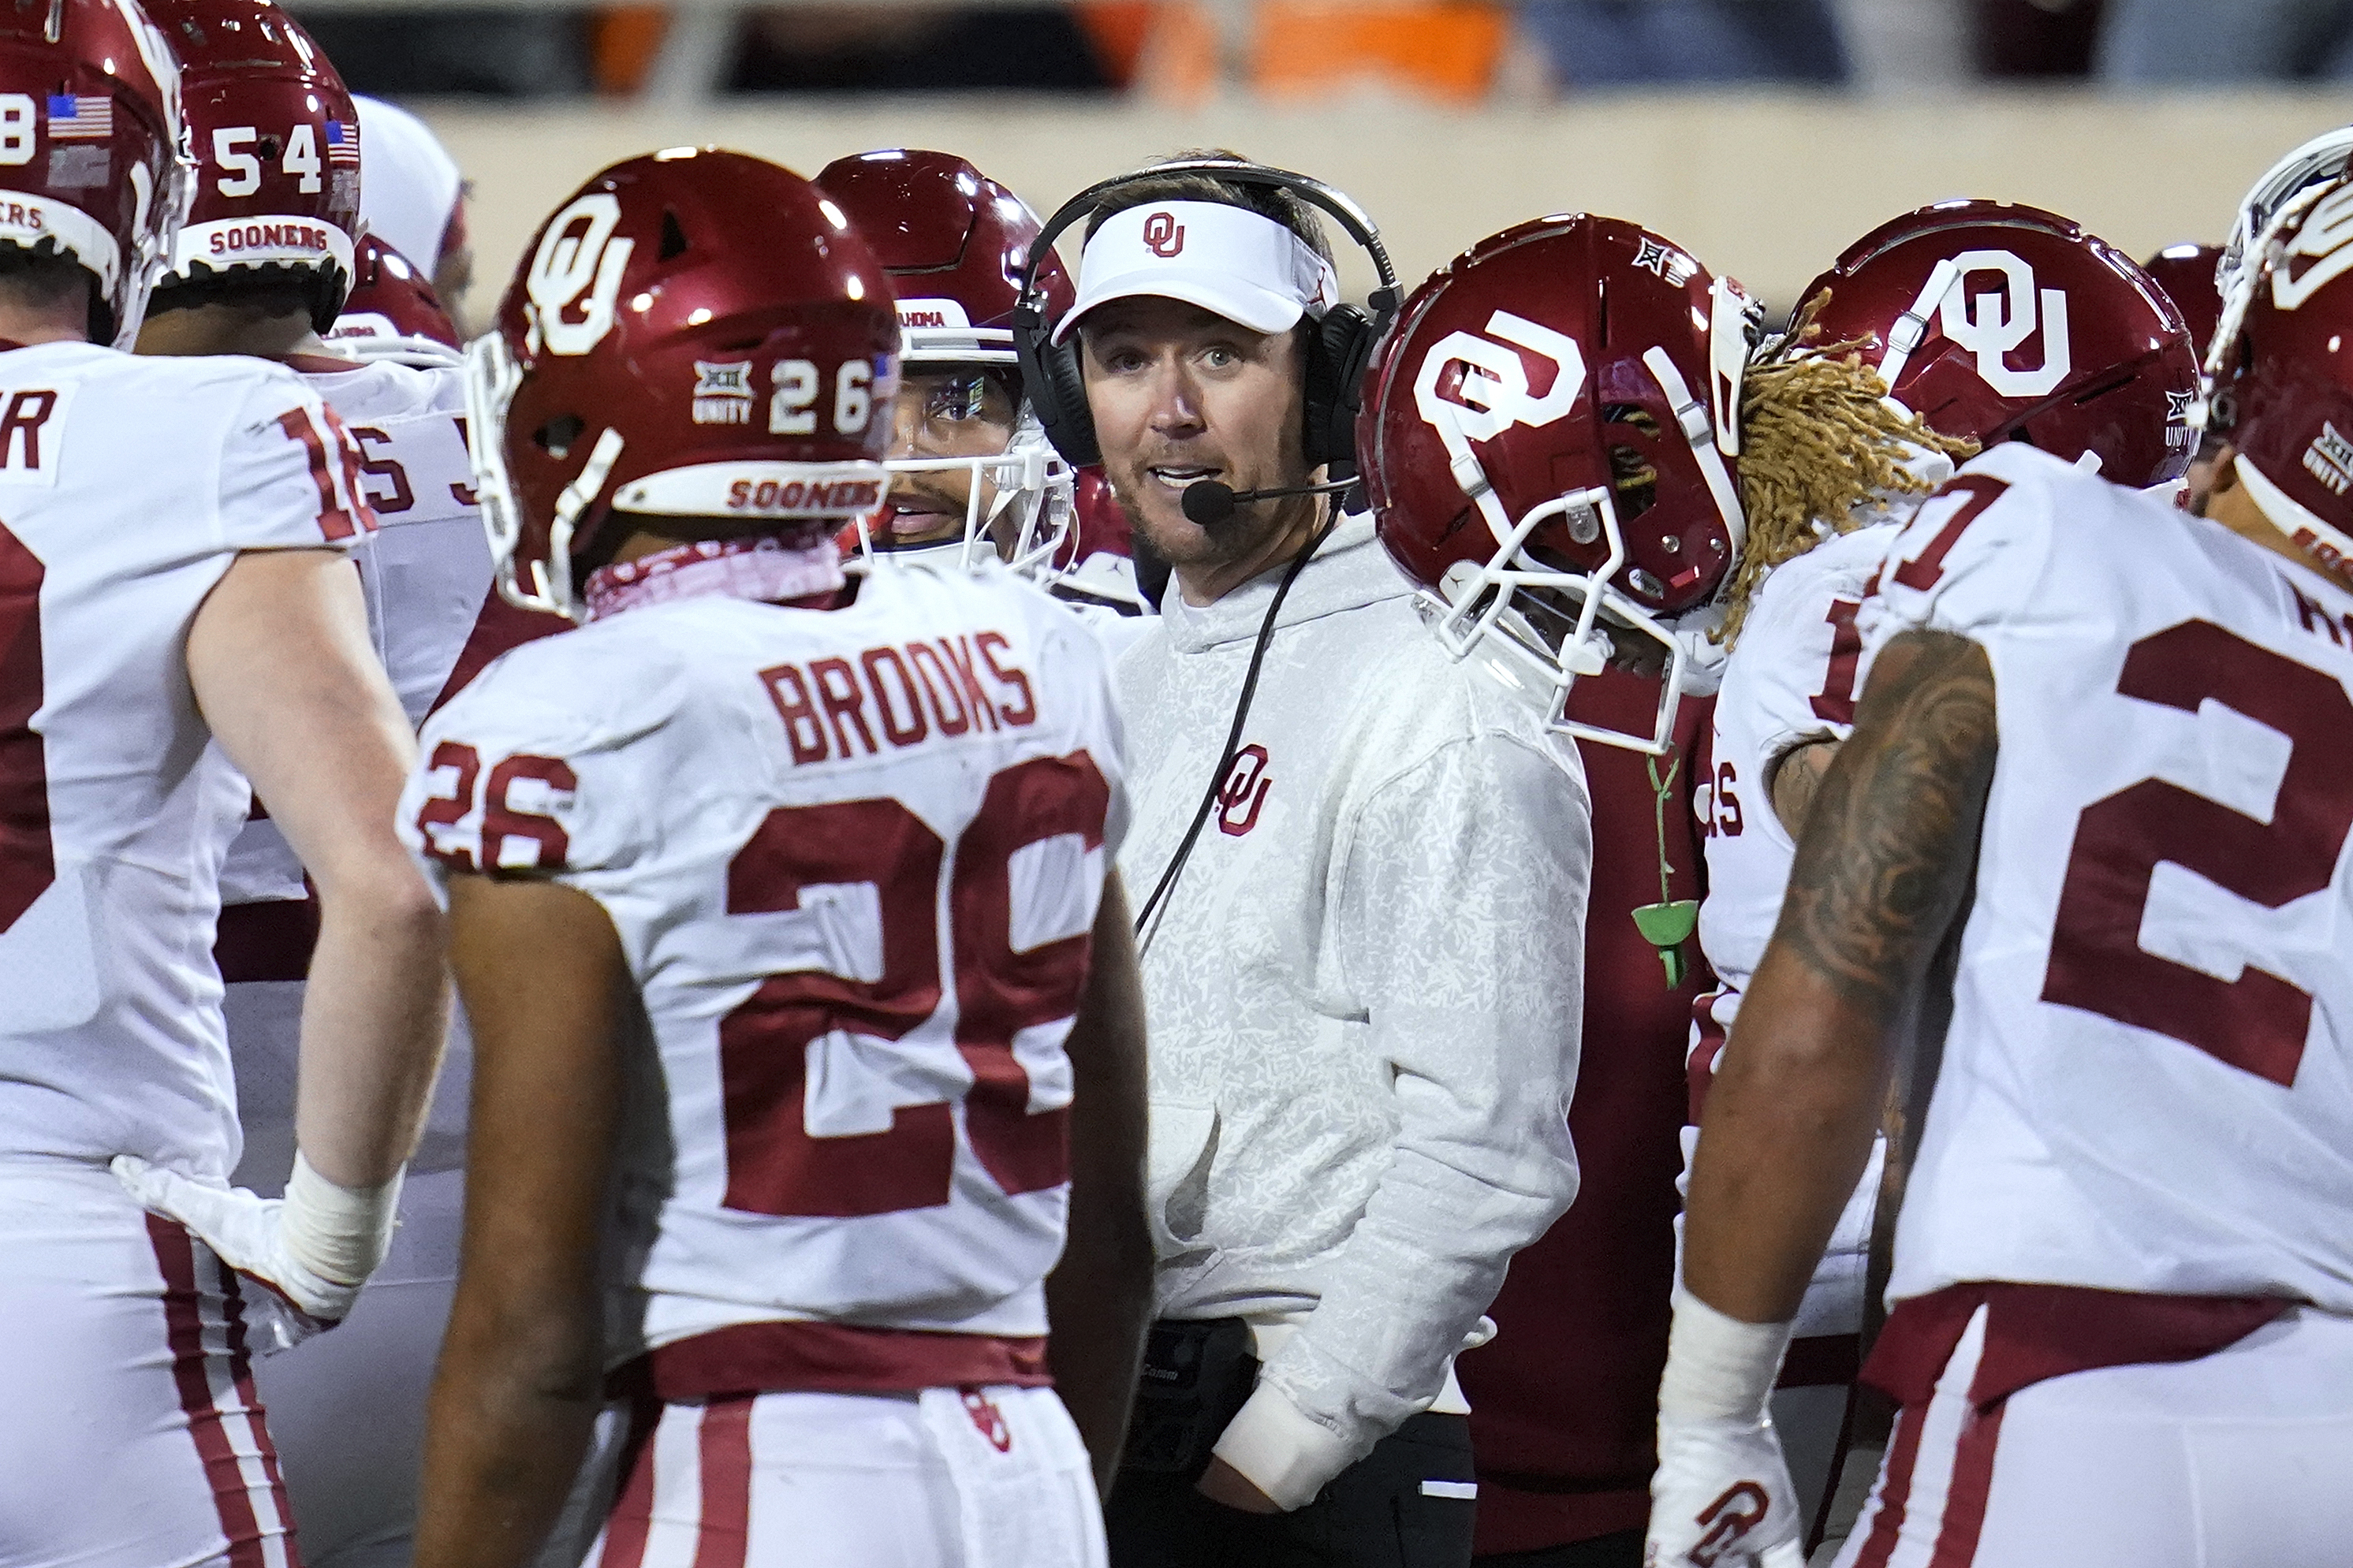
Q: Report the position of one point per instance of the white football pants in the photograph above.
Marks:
(2241, 1459)
(134, 1439)
(983, 1477)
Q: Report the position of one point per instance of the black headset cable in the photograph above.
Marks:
(1234, 735)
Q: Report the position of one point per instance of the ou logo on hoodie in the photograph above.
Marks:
(1243, 793)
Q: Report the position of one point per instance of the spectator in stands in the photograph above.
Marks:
(500, 53)
(2037, 38)
(1651, 42)
(2208, 42)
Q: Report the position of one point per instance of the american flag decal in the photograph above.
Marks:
(73, 119)
(344, 142)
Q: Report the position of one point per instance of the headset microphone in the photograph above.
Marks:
(1206, 501)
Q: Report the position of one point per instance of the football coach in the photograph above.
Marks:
(1365, 869)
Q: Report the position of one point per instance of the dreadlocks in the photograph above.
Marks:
(1819, 441)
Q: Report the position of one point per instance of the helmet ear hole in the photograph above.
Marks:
(555, 436)
(673, 237)
(1633, 481)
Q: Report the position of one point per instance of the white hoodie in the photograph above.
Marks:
(1364, 993)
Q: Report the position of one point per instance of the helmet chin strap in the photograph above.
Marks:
(1691, 415)
(1911, 329)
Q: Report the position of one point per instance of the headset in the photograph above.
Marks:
(1339, 346)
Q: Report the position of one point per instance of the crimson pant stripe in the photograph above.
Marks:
(1965, 1498)
(1894, 1489)
(725, 1441)
(185, 1326)
(240, 1365)
(627, 1526)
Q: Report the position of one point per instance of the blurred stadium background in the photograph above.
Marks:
(1763, 134)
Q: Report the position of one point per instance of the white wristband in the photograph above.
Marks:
(1718, 1368)
(339, 1232)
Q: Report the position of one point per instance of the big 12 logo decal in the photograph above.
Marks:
(1991, 325)
(1487, 393)
(578, 256)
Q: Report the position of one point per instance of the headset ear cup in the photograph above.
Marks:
(1074, 436)
(1338, 351)
(1050, 381)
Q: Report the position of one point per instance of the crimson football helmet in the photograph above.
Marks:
(954, 242)
(93, 152)
(2186, 273)
(694, 334)
(1998, 322)
(1551, 437)
(2324, 159)
(278, 153)
(2281, 371)
(392, 312)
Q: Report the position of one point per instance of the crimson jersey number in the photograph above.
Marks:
(775, 1165)
(28, 863)
(2258, 1022)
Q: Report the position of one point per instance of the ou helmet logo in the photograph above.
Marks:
(578, 264)
(2325, 239)
(1991, 325)
(1163, 236)
(1492, 393)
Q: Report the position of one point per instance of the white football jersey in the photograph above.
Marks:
(854, 858)
(127, 488)
(1793, 675)
(2145, 1083)
(427, 572)
(429, 569)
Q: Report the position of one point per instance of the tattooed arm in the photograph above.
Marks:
(1796, 776)
(1889, 844)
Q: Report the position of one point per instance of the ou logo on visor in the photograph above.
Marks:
(578, 262)
(1163, 236)
(1492, 393)
(1991, 325)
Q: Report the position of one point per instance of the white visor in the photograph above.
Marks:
(1228, 260)
(231, 242)
(756, 488)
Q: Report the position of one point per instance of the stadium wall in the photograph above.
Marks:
(1767, 186)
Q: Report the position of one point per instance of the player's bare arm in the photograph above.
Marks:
(520, 1376)
(1099, 1298)
(1797, 779)
(284, 673)
(1884, 865)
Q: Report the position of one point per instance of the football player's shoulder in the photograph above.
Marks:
(1799, 591)
(593, 687)
(383, 389)
(207, 388)
(2084, 526)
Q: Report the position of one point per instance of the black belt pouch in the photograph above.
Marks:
(1197, 1373)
